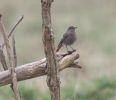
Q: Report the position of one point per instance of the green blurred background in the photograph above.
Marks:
(96, 44)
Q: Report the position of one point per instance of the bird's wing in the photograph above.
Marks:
(65, 36)
(61, 42)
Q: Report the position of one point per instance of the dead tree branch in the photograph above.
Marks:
(38, 68)
(2, 58)
(11, 53)
(49, 48)
(6, 41)
(14, 55)
(14, 27)
(14, 84)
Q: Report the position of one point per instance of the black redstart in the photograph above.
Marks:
(68, 38)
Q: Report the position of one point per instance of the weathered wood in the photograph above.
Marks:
(14, 27)
(14, 84)
(2, 58)
(6, 41)
(12, 58)
(53, 81)
(37, 69)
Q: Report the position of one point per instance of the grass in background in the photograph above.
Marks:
(98, 89)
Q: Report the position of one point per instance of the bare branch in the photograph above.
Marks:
(6, 41)
(15, 26)
(36, 69)
(2, 58)
(15, 84)
(14, 52)
(49, 48)
(11, 58)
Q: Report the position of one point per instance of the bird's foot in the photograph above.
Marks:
(74, 50)
(70, 52)
(46, 68)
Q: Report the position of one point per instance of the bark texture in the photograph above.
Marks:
(49, 48)
(38, 68)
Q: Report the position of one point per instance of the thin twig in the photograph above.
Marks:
(2, 58)
(6, 41)
(15, 26)
(11, 58)
(14, 84)
(14, 52)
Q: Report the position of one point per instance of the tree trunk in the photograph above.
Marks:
(48, 40)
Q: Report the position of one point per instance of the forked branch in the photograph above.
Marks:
(11, 53)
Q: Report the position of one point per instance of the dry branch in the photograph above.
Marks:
(38, 68)
(49, 48)
(14, 52)
(6, 41)
(2, 58)
(12, 58)
(14, 27)
(14, 84)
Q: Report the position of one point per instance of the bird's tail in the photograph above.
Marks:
(59, 46)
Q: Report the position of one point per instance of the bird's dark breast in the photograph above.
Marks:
(70, 39)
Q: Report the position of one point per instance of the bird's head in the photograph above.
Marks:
(72, 28)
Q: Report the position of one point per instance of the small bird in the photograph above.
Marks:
(68, 39)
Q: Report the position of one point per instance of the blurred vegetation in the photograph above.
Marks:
(98, 89)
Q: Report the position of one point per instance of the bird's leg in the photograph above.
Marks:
(67, 48)
(46, 70)
(68, 52)
(72, 48)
